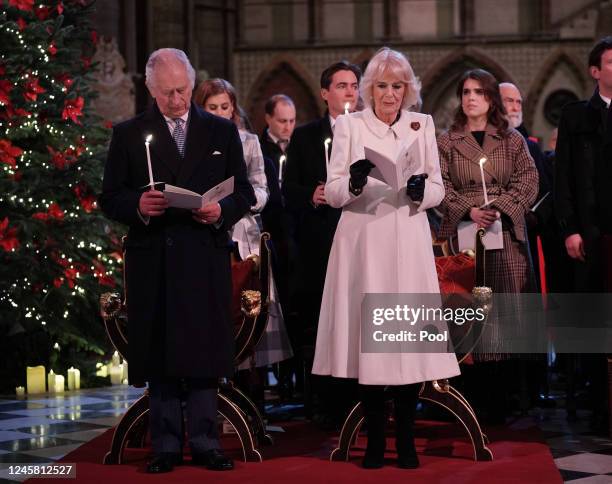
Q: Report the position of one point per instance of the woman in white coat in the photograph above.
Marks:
(382, 245)
(218, 96)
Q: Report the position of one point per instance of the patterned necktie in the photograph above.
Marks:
(179, 135)
(282, 144)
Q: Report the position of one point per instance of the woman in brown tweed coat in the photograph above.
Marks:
(480, 129)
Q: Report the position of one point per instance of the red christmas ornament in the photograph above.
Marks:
(52, 49)
(32, 89)
(5, 88)
(65, 80)
(61, 160)
(55, 211)
(25, 5)
(73, 108)
(43, 13)
(8, 237)
(8, 152)
(21, 23)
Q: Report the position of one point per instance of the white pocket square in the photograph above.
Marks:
(216, 153)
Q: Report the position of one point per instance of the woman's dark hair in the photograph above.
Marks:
(212, 87)
(497, 113)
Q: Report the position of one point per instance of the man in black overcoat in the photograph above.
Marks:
(315, 221)
(582, 181)
(177, 263)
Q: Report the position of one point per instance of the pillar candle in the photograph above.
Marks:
(35, 378)
(51, 382)
(59, 383)
(116, 372)
(20, 391)
(115, 360)
(74, 379)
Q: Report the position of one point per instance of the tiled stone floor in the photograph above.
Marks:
(44, 429)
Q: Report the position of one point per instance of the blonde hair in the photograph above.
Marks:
(388, 60)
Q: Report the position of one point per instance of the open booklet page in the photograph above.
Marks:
(493, 239)
(182, 198)
(395, 173)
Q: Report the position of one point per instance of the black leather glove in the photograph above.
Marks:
(415, 188)
(359, 175)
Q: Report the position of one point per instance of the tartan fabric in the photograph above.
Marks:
(510, 175)
(179, 135)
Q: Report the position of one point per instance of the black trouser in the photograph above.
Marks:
(166, 414)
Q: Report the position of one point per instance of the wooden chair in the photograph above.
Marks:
(251, 317)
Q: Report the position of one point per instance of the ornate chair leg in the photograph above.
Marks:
(246, 405)
(441, 393)
(237, 419)
(348, 434)
(124, 432)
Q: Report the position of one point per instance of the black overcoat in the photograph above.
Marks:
(582, 182)
(314, 226)
(178, 277)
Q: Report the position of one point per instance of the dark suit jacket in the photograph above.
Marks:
(314, 227)
(177, 270)
(583, 177)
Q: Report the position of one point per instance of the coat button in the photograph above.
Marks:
(169, 241)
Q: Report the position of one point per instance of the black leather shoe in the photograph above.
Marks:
(163, 462)
(213, 460)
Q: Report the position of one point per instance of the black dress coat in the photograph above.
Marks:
(177, 270)
(314, 226)
(582, 182)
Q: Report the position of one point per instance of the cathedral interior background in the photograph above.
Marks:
(266, 47)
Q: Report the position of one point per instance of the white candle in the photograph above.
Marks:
(20, 391)
(59, 383)
(482, 161)
(281, 162)
(35, 379)
(116, 372)
(125, 370)
(326, 145)
(74, 378)
(346, 108)
(51, 381)
(147, 141)
(115, 359)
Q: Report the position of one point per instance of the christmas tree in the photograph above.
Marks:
(57, 251)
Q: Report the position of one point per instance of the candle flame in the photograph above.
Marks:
(282, 159)
(327, 141)
(346, 107)
(148, 138)
(482, 161)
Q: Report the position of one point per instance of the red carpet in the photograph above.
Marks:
(300, 455)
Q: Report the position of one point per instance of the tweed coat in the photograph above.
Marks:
(382, 245)
(512, 180)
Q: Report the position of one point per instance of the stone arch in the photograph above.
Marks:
(557, 58)
(440, 81)
(284, 74)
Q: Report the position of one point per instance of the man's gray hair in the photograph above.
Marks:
(161, 56)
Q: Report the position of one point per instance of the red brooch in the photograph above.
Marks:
(415, 125)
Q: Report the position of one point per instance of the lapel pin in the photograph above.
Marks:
(415, 125)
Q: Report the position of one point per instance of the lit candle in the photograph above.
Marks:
(74, 378)
(326, 145)
(281, 162)
(482, 161)
(51, 381)
(20, 391)
(115, 359)
(35, 378)
(59, 383)
(116, 372)
(147, 142)
(125, 371)
(346, 108)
